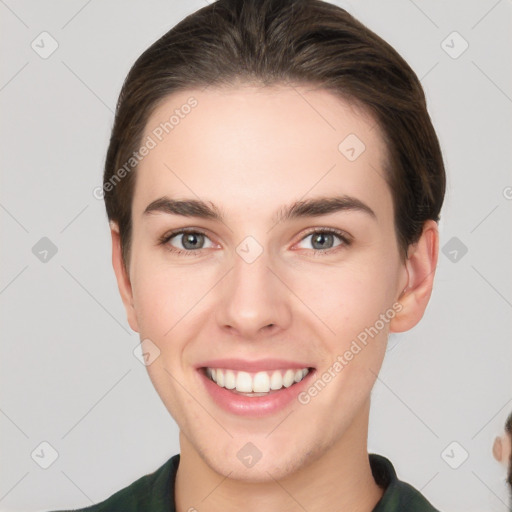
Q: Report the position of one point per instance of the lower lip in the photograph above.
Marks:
(254, 406)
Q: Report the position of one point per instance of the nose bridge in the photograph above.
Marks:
(253, 295)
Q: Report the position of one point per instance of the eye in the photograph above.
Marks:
(323, 239)
(192, 241)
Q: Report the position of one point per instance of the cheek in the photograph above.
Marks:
(346, 298)
(168, 298)
(159, 300)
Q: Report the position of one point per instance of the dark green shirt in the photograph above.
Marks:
(155, 492)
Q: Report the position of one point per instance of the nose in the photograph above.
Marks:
(253, 300)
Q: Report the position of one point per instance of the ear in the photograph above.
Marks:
(420, 268)
(123, 279)
(497, 449)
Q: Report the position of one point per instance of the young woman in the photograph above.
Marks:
(273, 185)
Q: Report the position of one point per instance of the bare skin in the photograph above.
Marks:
(251, 151)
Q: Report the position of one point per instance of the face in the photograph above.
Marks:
(259, 289)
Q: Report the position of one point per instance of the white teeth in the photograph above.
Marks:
(289, 378)
(260, 382)
(243, 382)
(229, 379)
(220, 378)
(276, 381)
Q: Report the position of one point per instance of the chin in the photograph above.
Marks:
(271, 465)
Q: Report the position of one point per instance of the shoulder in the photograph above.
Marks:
(151, 492)
(398, 495)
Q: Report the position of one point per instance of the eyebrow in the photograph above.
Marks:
(314, 207)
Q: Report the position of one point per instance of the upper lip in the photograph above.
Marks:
(252, 366)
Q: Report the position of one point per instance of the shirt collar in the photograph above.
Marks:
(398, 495)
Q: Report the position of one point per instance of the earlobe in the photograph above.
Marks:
(122, 277)
(421, 266)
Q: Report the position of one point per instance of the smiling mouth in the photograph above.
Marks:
(255, 384)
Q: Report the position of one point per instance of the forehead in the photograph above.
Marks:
(254, 147)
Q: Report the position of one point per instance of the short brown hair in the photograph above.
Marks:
(274, 42)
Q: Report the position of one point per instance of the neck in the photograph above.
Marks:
(338, 480)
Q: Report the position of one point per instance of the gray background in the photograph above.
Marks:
(68, 373)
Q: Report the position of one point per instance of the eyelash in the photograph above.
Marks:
(344, 237)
